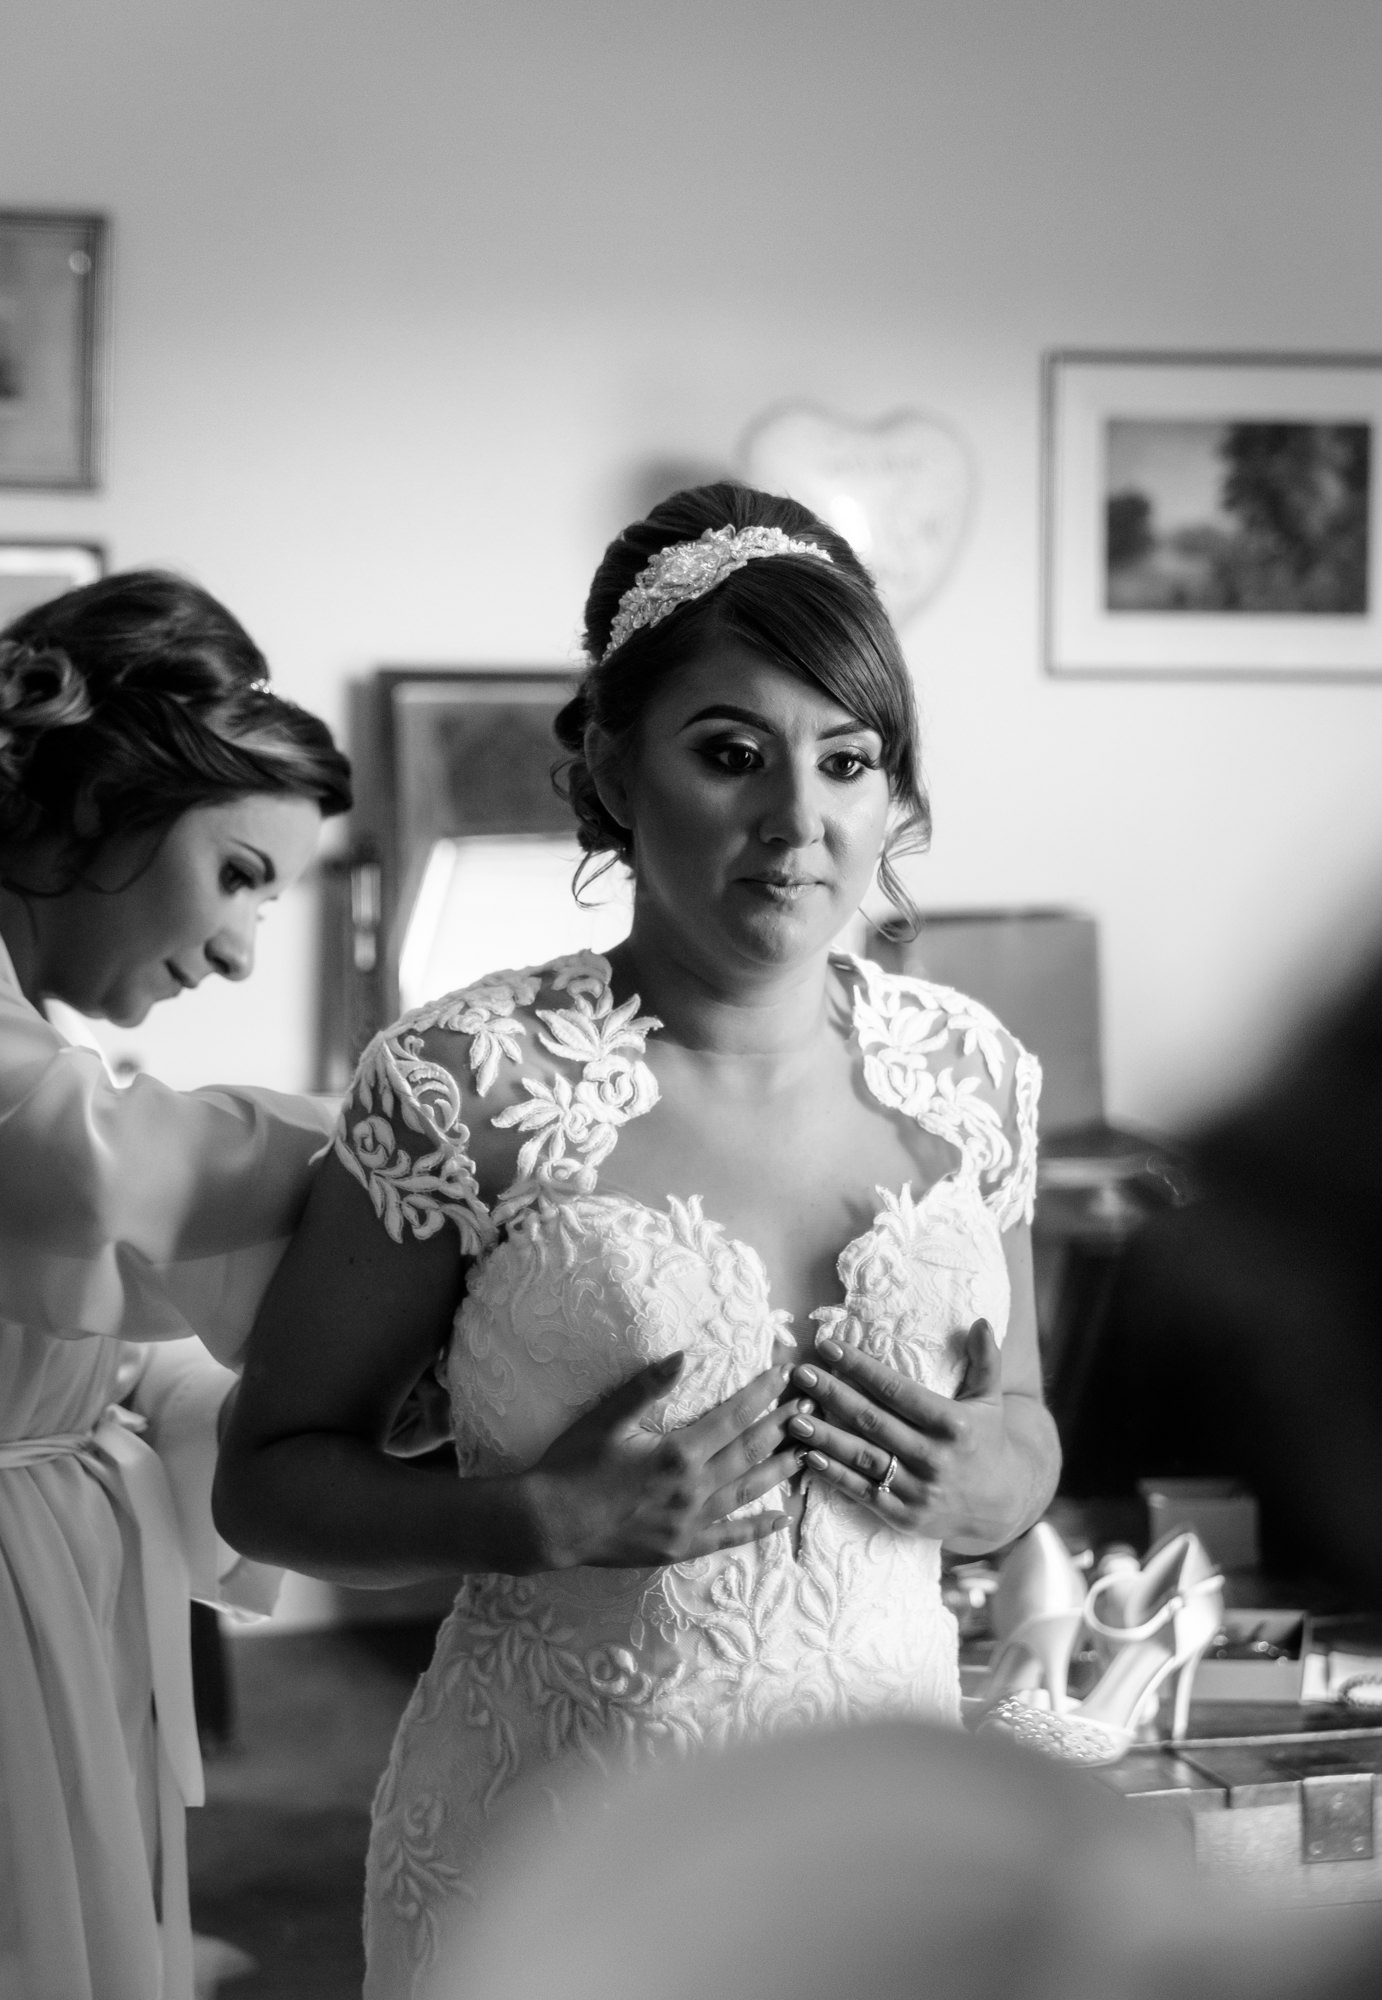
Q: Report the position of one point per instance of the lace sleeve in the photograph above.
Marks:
(952, 1064)
(1010, 1192)
(993, 1089)
(402, 1136)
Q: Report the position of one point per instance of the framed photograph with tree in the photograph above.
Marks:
(50, 347)
(1212, 515)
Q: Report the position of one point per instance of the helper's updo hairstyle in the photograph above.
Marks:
(822, 620)
(128, 702)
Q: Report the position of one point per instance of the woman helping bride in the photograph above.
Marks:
(725, 1237)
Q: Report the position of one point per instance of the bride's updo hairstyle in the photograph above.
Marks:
(130, 701)
(821, 620)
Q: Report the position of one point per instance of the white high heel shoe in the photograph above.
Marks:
(1156, 1623)
(1036, 1611)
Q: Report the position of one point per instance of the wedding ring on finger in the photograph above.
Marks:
(882, 1485)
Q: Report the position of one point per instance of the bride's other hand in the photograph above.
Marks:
(608, 1494)
(959, 1468)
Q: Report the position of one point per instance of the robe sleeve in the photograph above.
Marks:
(178, 1390)
(140, 1211)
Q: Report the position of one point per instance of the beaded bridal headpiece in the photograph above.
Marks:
(687, 570)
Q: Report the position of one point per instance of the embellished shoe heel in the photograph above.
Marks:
(1037, 1609)
(1156, 1625)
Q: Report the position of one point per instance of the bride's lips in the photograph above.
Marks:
(183, 983)
(782, 888)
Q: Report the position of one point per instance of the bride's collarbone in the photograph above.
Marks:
(795, 1175)
(825, 1159)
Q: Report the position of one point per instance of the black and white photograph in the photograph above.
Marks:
(1212, 515)
(690, 1000)
(1247, 517)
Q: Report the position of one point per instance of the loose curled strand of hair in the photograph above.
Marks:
(40, 691)
(907, 837)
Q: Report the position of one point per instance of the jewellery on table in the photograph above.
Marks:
(687, 570)
(882, 1485)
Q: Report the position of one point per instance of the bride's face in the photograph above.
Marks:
(758, 807)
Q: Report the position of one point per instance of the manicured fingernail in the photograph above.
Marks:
(800, 1428)
(831, 1349)
(802, 1457)
(819, 1460)
(806, 1408)
(808, 1376)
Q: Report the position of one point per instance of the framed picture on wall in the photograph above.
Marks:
(51, 277)
(1213, 515)
(465, 853)
(33, 571)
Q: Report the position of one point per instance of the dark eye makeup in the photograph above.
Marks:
(733, 755)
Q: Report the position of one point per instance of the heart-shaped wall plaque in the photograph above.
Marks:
(898, 490)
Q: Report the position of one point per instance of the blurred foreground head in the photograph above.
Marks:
(890, 1861)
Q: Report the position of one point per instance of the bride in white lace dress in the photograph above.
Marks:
(724, 1237)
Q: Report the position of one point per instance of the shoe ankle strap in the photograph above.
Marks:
(1127, 1635)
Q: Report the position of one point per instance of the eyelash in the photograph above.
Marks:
(718, 754)
(859, 760)
(234, 878)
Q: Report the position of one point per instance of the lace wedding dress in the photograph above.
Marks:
(572, 1288)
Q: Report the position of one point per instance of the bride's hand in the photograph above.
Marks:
(949, 1451)
(611, 1495)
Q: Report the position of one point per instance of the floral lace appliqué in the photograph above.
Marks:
(573, 1126)
(910, 1033)
(418, 1192)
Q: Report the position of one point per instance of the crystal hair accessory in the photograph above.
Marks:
(687, 570)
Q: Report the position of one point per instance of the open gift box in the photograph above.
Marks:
(1267, 1656)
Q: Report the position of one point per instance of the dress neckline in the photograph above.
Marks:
(894, 1203)
(901, 1201)
(856, 973)
(909, 1037)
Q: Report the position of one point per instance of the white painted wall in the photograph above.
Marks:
(409, 296)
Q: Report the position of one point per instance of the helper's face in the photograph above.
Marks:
(758, 807)
(160, 915)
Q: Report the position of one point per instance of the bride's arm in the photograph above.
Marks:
(349, 1322)
(352, 1318)
(1010, 1484)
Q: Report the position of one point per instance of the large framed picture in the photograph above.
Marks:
(1212, 515)
(33, 571)
(51, 278)
(464, 852)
